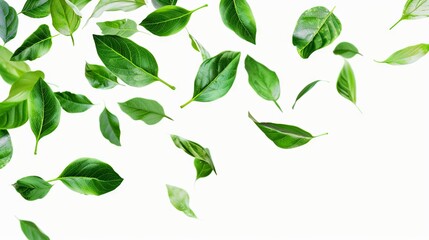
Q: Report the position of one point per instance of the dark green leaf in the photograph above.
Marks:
(6, 149)
(162, 3)
(215, 77)
(32, 188)
(109, 127)
(346, 50)
(305, 90)
(31, 231)
(316, 28)
(73, 103)
(146, 110)
(263, 80)
(123, 27)
(179, 198)
(44, 111)
(168, 20)
(203, 168)
(8, 22)
(21, 89)
(90, 177)
(64, 18)
(13, 114)
(198, 47)
(36, 8)
(414, 9)
(35, 46)
(100, 77)
(115, 5)
(237, 16)
(408, 55)
(11, 71)
(346, 84)
(132, 63)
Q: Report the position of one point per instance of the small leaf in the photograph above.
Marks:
(408, 55)
(162, 3)
(35, 46)
(8, 22)
(346, 50)
(168, 20)
(6, 149)
(109, 127)
(316, 28)
(31, 231)
(11, 71)
(215, 77)
(64, 18)
(203, 168)
(179, 198)
(284, 136)
(115, 5)
(123, 27)
(263, 80)
(36, 8)
(100, 77)
(346, 84)
(414, 9)
(304, 91)
(80, 4)
(21, 89)
(73, 103)
(146, 110)
(237, 16)
(199, 48)
(13, 114)
(90, 177)
(32, 188)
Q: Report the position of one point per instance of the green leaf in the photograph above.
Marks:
(146, 110)
(162, 3)
(237, 16)
(35, 46)
(115, 5)
(203, 168)
(123, 27)
(346, 83)
(408, 55)
(132, 63)
(304, 91)
(168, 20)
(64, 18)
(6, 149)
(215, 77)
(44, 111)
(80, 4)
(194, 149)
(179, 198)
(316, 28)
(263, 80)
(414, 9)
(21, 89)
(11, 71)
(90, 177)
(13, 114)
(100, 77)
(32, 188)
(284, 136)
(8, 22)
(109, 127)
(36, 8)
(199, 48)
(73, 103)
(31, 231)
(346, 50)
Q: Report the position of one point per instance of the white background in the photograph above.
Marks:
(365, 180)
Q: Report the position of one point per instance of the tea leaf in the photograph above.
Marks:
(31, 231)
(100, 77)
(32, 188)
(179, 198)
(109, 127)
(11, 71)
(36, 8)
(203, 168)
(408, 55)
(346, 83)
(21, 89)
(346, 50)
(35, 46)
(8, 22)
(146, 110)
(115, 5)
(414, 9)
(73, 103)
(304, 91)
(237, 16)
(6, 149)
(123, 27)
(64, 18)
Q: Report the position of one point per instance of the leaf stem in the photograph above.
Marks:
(278, 105)
(187, 103)
(395, 24)
(251, 117)
(53, 180)
(36, 147)
(358, 109)
(168, 85)
(205, 5)
(72, 38)
(323, 134)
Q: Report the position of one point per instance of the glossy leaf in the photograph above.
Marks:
(414, 9)
(123, 27)
(64, 18)
(8, 22)
(21, 89)
(199, 48)
(146, 110)
(284, 136)
(305, 90)
(203, 168)
(32, 188)
(168, 20)
(408, 55)
(31, 231)
(90, 177)
(132, 63)
(100, 77)
(13, 114)
(162, 3)
(346, 83)
(115, 5)
(316, 28)
(346, 50)
(237, 16)
(6, 149)
(73, 103)
(11, 71)
(263, 80)
(215, 77)
(44, 111)
(36, 8)
(35, 46)
(179, 198)
(109, 127)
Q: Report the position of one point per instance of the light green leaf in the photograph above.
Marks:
(162, 3)
(109, 127)
(31, 231)
(146, 110)
(100, 77)
(35, 46)
(11, 71)
(36, 8)
(123, 27)
(346, 50)
(346, 83)
(8, 22)
(237, 16)
(115, 5)
(6, 149)
(73, 103)
(408, 55)
(13, 114)
(179, 198)
(414, 9)
(21, 89)
(80, 4)
(199, 48)
(64, 18)
(304, 91)
(32, 188)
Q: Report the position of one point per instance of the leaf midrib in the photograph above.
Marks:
(289, 134)
(171, 19)
(241, 22)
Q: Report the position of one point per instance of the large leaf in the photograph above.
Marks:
(8, 22)
(6, 149)
(162, 3)
(316, 28)
(100, 77)
(304, 91)
(64, 18)
(90, 177)
(215, 77)
(44, 111)
(115, 5)
(263, 80)
(11, 71)
(21, 89)
(36, 8)
(123, 27)
(199, 47)
(32, 188)
(414, 9)
(31, 231)
(179, 198)
(346, 83)
(284, 136)
(73, 103)
(13, 114)
(237, 16)
(168, 20)
(35, 46)
(132, 63)
(109, 127)
(146, 110)
(408, 55)
(346, 50)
